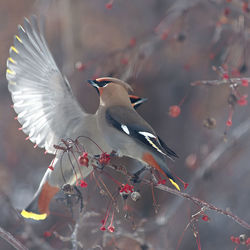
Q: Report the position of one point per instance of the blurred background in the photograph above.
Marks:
(160, 47)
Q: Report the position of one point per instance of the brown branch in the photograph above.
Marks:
(11, 240)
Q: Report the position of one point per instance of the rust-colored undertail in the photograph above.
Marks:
(149, 158)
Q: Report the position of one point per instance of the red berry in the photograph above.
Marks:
(245, 7)
(185, 185)
(225, 76)
(109, 5)
(104, 159)
(132, 42)
(162, 181)
(83, 159)
(124, 61)
(248, 241)
(211, 56)
(235, 73)
(51, 167)
(47, 234)
(102, 228)
(244, 82)
(126, 188)
(205, 218)
(229, 123)
(242, 101)
(226, 11)
(164, 35)
(81, 183)
(111, 229)
(187, 67)
(174, 111)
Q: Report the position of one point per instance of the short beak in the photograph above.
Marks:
(94, 83)
(136, 101)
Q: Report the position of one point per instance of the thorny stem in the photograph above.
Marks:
(11, 240)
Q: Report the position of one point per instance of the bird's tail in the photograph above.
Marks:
(163, 169)
(166, 173)
(38, 209)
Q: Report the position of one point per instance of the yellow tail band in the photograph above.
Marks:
(34, 216)
(175, 184)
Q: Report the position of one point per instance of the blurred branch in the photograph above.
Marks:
(236, 81)
(74, 237)
(11, 240)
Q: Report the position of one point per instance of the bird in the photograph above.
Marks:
(49, 113)
(126, 131)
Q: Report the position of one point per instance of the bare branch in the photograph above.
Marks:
(11, 240)
(235, 81)
(205, 205)
(238, 133)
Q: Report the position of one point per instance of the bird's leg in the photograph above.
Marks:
(79, 198)
(116, 154)
(71, 192)
(136, 176)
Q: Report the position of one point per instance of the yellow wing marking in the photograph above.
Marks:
(11, 72)
(19, 39)
(148, 139)
(12, 60)
(14, 49)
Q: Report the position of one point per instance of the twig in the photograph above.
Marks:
(11, 240)
(74, 237)
(206, 205)
(75, 242)
(238, 133)
(236, 81)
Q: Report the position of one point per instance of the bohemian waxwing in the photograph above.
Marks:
(48, 113)
(125, 130)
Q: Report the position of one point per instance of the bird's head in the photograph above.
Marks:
(111, 89)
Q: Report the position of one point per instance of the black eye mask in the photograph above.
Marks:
(98, 84)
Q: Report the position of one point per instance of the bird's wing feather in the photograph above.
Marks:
(42, 96)
(127, 121)
(169, 151)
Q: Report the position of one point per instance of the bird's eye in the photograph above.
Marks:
(98, 83)
(103, 83)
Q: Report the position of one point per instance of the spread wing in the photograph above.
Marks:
(42, 96)
(129, 122)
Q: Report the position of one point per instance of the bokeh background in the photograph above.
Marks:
(159, 47)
